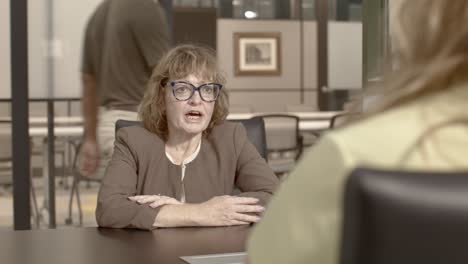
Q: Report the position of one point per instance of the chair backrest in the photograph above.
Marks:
(126, 123)
(255, 128)
(405, 217)
(282, 133)
(255, 131)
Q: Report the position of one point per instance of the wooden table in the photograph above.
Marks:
(116, 246)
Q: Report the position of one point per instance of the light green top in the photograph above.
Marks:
(302, 223)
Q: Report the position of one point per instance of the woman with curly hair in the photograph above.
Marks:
(182, 166)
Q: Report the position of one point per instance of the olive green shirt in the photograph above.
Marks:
(124, 40)
(302, 223)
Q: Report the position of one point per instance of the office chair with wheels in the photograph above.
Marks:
(405, 218)
(309, 138)
(255, 128)
(283, 141)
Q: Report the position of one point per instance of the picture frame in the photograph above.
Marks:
(257, 53)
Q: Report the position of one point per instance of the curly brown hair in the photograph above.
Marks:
(180, 62)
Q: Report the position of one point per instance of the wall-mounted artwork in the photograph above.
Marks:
(257, 53)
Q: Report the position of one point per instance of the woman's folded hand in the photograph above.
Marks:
(218, 211)
(229, 210)
(154, 201)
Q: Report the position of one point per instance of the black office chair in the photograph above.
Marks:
(283, 141)
(405, 218)
(126, 123)
(255, 128)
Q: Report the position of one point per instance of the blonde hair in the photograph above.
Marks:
(178, 63)
(430, 38)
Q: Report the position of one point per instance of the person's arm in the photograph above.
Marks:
(302, 223)
(150, 30)
(254, 177)
(89, 151)
(218, 211)
(114, 209)
(89, 105)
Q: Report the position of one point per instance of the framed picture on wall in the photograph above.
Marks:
(257, 53)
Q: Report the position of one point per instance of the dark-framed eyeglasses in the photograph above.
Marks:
(183, 90)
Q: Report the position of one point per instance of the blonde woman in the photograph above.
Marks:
(182, 167)
(421, 124)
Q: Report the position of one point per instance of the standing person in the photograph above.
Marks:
(124, 40)
(420, 124)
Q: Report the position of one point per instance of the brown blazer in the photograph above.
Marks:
(139, 166)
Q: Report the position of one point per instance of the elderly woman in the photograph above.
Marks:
(182, 167)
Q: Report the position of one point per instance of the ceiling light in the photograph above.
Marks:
(250, 14)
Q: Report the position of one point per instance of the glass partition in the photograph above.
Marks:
(323, 47)
(195, 3)
(345, 10)
(376, 39)
(308, 9)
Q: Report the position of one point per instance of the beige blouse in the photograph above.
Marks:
(184, 167)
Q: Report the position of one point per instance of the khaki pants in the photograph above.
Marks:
(106, 136)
